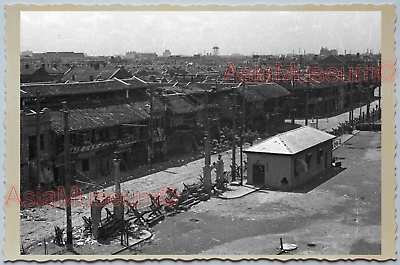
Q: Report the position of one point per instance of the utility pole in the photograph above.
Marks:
(307, 98)
(207, 128)
(67, 175)
(293, 103)
(241, 133)
(351, 104)
(379, 96)
(368, 94)
(118, 209)
(234, 135)
(330, 99)
(151, 149)
(207, 148)
(38, 138)
(380, 84)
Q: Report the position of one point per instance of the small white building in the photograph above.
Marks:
(289, 159)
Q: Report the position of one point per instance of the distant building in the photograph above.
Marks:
(131, 55)
(148, 55)
(30, 73)
(65, 55)
(26, 54)
(167, 53)
(215, 50)
(327, 52)
(138, 55)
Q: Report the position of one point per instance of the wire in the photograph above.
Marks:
(93, 182)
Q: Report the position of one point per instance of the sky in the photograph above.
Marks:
(191, 32)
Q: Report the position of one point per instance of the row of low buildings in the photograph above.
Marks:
(114, 117)
(110, 114)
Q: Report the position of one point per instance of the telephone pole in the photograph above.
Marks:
(151, 146)
(307, 99)
(207, 148)
(241, 133)
(234, 135)
(67, 176)
(38, 138)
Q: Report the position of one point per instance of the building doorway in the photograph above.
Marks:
(258, 174)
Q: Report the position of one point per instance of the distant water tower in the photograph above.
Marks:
(215, 50)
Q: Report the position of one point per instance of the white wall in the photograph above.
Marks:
(277, 167)
(314, 167)
(283, 166)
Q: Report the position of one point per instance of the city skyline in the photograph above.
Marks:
(188, 33)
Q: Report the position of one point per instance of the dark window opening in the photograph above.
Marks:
(320, 155)
(85, 165)
(308, 160)
(107, 134)
(32, 146)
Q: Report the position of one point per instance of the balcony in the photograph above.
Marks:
(114, 143)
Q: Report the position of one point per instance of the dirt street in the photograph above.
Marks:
(38, 223)
(340, 216)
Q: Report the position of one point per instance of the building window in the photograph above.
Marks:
(122, 131)
(308, 160)
(32, 146)
(85, 165)
(112, 133)
(320, 154)
(107, 134)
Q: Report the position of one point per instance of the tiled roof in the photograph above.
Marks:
(291, 142)
(186, 89)
(85, 73)
(27, 69)
(58, 89)
(72, 88)
(251, 95)
(59, 70)
(179, 105)
(144, 72)
(270, 90)
(177, 72)
(109, 116)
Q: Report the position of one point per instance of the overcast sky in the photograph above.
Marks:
(187, 33)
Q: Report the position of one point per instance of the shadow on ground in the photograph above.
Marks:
(318, 180)
(312, 183)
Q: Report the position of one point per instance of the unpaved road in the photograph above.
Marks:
(341, 216)
(38, 223)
